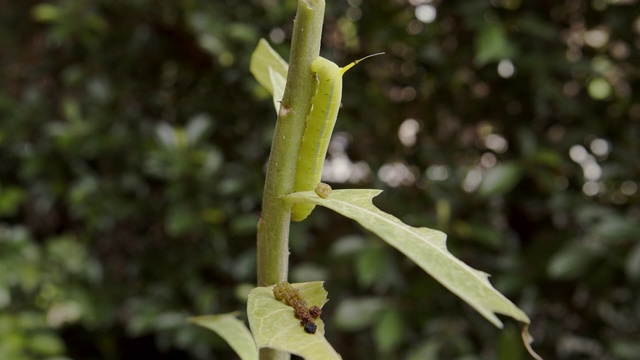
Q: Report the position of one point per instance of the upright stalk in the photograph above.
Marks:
(273, 227)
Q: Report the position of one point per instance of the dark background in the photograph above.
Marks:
(133, 141)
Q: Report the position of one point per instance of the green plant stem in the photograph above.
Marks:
(273, 227)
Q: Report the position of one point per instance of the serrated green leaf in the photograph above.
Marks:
(269, 69)
(233, 331)
(427, 248)
(274, 325)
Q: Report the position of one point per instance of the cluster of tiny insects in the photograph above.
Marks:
(293, 297)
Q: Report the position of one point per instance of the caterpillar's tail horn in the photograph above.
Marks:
(344, 69)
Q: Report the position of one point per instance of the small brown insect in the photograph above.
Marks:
(315, 312)
(291, 296)
(310, 327)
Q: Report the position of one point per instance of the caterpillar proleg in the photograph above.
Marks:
(320, 122)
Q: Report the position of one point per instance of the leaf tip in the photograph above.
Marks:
(527, 339)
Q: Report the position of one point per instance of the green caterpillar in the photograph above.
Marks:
(320, 122)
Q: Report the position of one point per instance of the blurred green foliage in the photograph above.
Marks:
(133, 141)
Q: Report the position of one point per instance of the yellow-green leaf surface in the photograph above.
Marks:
(278, 83)
(269, 69)
(274, 326)
(426, 247)
(233, 331)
